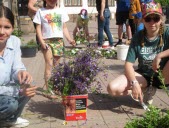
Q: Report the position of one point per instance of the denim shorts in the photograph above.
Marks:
(56, 45)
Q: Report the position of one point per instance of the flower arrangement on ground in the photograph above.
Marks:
(107, 53)
(75, 77)
(81, 38)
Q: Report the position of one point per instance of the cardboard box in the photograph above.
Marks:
(75, 107)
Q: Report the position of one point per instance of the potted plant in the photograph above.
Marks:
(29, 49)
(73, 80)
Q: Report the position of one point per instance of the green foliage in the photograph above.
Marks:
(108, 53)
(154, 118)
(163, 2)
(17, 33)
(30, 44)
(161, 78)
(81, 39)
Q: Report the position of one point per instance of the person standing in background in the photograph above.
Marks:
(50, 28)
(33, 6)
(122, 17)
(135, 16)
(103, 22)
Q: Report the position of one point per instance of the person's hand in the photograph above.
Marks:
(24, 77)
(137, 92)
(28, 90)
(156, 63)
(102, 17)
(72, 42)
(45, 46)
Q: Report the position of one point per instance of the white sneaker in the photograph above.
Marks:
(148, 95)
(20, 123)
(112, 47)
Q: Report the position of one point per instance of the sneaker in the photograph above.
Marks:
(148, 95)
(111, 47)
(118, 43)
(20, 123)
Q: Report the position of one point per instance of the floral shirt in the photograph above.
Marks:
(51, 21)
(10, 64)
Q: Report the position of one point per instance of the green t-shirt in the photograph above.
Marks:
(82, 22)
(146, 54)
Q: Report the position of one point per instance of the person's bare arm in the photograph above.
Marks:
(157, 59)
(102, 9)
(67, 35)
(40, 37)
(31, 6)
(136, 88)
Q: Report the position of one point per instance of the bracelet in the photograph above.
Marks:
(133, 82)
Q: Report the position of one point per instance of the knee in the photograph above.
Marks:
(10, 105)
(111, 89)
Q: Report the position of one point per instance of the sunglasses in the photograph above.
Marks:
(155, 18)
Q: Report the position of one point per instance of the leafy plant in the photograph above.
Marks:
(17, 33)
(30, 44)
(75, 77)
(163, 2)
(108, 53)
(161, 78)
(80, 38)
(154, 118)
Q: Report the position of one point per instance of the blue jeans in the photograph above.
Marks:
(11, 108)
(104, 25)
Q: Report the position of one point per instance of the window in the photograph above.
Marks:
(22, 7)
(72, 3)
(92, 3)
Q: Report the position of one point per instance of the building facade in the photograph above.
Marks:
(73, 7)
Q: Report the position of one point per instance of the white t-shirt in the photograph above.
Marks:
(51, 21)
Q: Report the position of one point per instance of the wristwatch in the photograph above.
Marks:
(133, 82)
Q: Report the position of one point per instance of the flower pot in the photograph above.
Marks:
(28, 52)
(75, 107)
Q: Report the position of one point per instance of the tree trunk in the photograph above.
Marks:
(15, 12)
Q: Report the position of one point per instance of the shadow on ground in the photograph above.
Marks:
(114, 104)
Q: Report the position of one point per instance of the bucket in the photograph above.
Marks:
(122, 52)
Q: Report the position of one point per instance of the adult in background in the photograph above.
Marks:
(122, 17)
(15, 81)
(103, 22)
